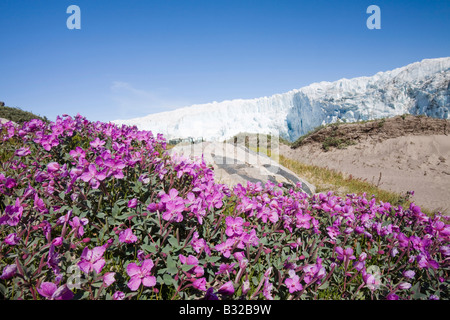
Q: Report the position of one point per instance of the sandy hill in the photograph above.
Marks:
(403, 153)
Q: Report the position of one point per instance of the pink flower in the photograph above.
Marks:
(392, 296)
(234, 226)
(78, 224)
(225, 247)
(426, 262)
(78, 152)
(12, 239)
(109, 279)
(9, 271)
(13, 214)
(174, 206)
(199, 284)
(118, 295)
(226, 289)
(140, 275)
(333, 232)
(372, 282)
(303, 220)
(404, 286)
(210, 295)
(293, 283)
(39, 204)
(226, 268)
(10, 183)
(409, 274)
(21, 152)
(267, 290)
(172, 196)
(97, 143)
(50, 291)
(132, 203)
(92, 259)
(127, 236)
(345, 255)
(57, 241)
(190, 260)
(53, 167)
(93, 176)
(199, 244)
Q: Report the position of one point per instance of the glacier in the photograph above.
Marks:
(420, 88)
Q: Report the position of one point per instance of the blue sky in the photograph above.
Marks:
(135, 57)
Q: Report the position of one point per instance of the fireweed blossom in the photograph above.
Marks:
(127, 236)
(96, 143)
(227, 289)
(118, 295)
(77, 224)
(108, 279)
(267, 290)
(200, 284)
(174, 206)
(9, 271)
(12, 215)
(409, 274)
(196, 271)
(225, 247)
(360, 263)
(210, 295)
(293, 282)
(93, 176)
(132, 203)
(345, 255)
(12, 239)
(314, 271)
(50, 291)
(199, 244)
(234, 226)
(92, 259)
(372, 281)
(226, 268)
(140, 274)
(24, 151)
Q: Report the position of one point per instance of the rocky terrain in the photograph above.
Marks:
(234, 163)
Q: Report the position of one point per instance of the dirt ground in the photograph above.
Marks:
(398, 154)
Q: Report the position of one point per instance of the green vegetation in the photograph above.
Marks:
(337, 143)
(18, 115)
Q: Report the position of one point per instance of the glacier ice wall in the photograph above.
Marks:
(419, 88)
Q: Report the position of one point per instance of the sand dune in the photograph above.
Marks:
(419, 163)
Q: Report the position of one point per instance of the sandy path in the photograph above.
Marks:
(408, 163)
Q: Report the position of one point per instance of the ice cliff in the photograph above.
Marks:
(418, 88)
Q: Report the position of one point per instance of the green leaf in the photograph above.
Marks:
(171, 265)
(123, 216)
(324, 286)
(212, 259)
(149, 248)
(173, 241)
(358, 248)
(416, 290)
(101, 215)
(387, 222)
(186, 267)
(115, 210)
(168, 280)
